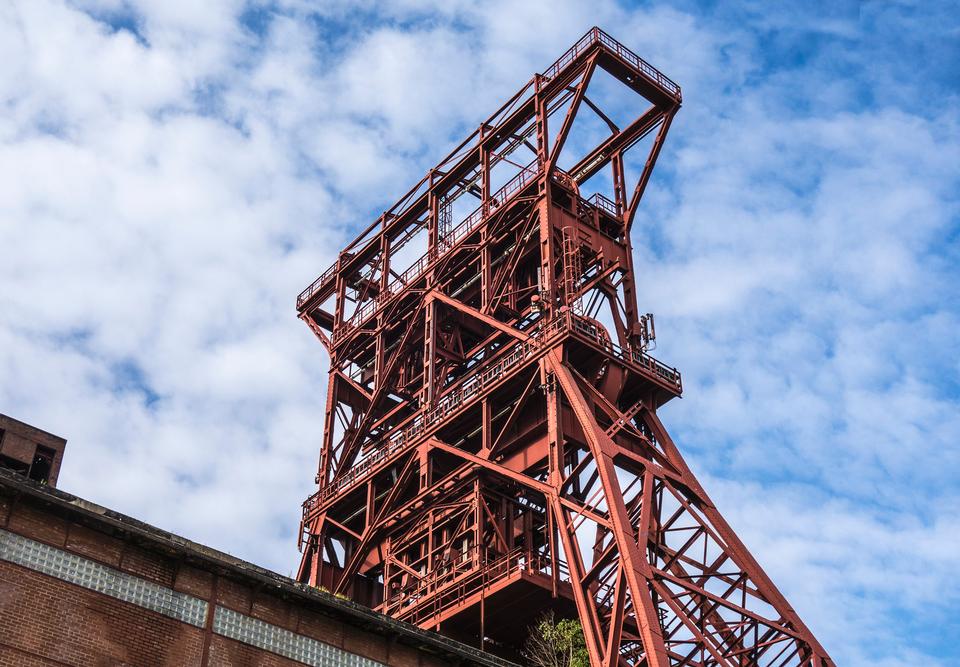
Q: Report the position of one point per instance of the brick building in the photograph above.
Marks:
(83, 585)
(30, 451)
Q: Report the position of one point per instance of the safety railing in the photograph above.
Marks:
(461, 394)
(474, 385)
(603, 203)
(416, 270)
(316, 285)
(636, 357)
(444, 572)
(397, 285)
(595, 35)
(445, 588)
(498, 199)
(571, 54)
(637, 62)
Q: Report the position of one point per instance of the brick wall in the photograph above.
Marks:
(19, 442)
(45, 620)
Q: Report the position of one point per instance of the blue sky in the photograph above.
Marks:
(172, 174)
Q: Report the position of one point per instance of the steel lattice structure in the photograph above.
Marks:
(490, 449)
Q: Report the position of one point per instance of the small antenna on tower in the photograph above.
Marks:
(648, 333)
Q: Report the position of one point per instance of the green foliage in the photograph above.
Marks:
(554, 643)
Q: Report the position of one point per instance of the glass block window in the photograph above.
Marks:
(271, 638)
(102, 579)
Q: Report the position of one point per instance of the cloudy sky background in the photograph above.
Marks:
(173, 173)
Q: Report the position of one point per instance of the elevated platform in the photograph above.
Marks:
(492, 405)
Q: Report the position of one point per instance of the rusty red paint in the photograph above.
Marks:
(490, 448)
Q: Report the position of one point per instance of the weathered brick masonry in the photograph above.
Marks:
(83, 585)
(30, 450)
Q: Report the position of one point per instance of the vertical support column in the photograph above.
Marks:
(379, 359)
(430, 307)
(486, 437)
(554, 427)
(316, 563)
(371, 503)
(430, 541)
(543, 148)
(423, 456)
(548, 287)
(486, 272)
(554, 551)
(548, 282)
(386, 256)
(483, 620)
(619, 185)
(433, 218)
(477, 525)
(325, 468)
(429, 350)
(387, 576)
(341, 293)
(631, 311)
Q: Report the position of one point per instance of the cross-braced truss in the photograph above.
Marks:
(491, 445)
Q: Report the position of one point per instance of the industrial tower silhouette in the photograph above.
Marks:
(491, 445)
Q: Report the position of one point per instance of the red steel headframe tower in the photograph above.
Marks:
(491, 446)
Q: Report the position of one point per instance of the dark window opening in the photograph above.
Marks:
(42, 463)
(14, 464)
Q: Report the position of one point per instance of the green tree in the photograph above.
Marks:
(554, 643)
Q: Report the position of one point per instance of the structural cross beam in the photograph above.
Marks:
(491, 445)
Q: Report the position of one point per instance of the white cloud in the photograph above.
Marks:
(167, 188)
